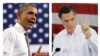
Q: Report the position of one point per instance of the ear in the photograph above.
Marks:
(17, 15)
(61, 20)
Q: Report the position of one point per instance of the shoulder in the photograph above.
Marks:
(61, 33)
(92, 30)
(8, 34)
(9, 30)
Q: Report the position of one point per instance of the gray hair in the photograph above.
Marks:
(23, 6)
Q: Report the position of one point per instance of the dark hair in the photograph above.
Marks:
(66, 9)
(23, 6)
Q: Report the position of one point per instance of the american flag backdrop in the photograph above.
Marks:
(86, 13)
(40, 32)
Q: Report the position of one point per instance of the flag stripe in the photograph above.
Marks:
(85, 13)
(81, 18)
(80, 8)
(34, 48)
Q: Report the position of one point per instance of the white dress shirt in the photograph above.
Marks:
(14, 42)
(75, 44)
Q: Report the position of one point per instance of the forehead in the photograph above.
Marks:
(68, 16)
(30, 9)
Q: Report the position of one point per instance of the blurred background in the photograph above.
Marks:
(39, 35)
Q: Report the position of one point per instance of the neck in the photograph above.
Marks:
(22, 26)
(70, 32)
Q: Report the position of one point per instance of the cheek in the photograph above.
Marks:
(24, 19)
(28, 17)
(65, 25)
(69, 26)
(25, 16)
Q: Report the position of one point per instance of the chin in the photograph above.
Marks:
(29, 27)
(70, 30)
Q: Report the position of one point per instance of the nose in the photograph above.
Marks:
(70, 23)
(34, 17)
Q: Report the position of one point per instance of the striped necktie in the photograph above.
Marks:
(26, 37)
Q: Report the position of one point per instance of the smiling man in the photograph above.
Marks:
(15, 41)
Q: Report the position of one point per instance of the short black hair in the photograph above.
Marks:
(66, 9)
(21, 8)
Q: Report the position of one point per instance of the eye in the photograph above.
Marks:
(35, 15)
(30, 13)
(72, 19)
(66, 21)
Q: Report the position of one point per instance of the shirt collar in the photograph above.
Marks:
(19, 28)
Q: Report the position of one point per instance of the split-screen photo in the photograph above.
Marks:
(50, 29)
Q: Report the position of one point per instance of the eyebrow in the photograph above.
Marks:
(66, 20)
(32, 13)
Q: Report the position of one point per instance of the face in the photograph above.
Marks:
(69, 21)
(28, 17)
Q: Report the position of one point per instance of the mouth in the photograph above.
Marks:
(31, 22)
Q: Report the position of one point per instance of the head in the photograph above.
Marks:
(67, 16)
(27, 15)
